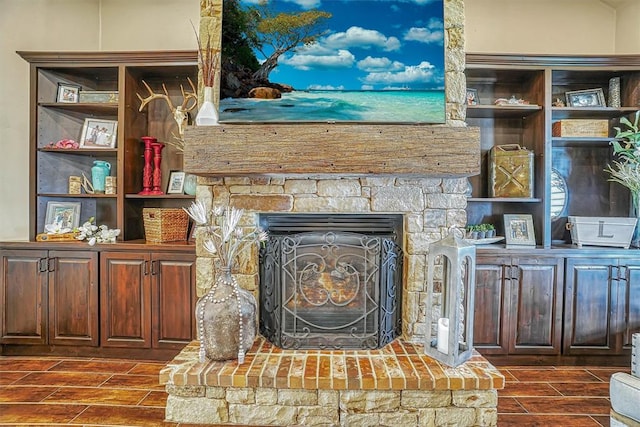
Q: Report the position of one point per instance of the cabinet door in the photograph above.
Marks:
(23, 302)
(535, 306)
(125, 298)
(73, 298)
(630, 299)
(174, 299)
(489, 314)
(590, 301)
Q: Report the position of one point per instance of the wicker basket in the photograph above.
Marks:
(165, 225)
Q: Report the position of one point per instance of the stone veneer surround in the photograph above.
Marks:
(430, 208)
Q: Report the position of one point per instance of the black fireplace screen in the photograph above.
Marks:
(331, 281)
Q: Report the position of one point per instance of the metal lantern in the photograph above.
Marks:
(451, 340)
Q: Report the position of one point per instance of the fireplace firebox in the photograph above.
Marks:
(331, 281)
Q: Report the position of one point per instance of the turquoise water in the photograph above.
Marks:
(373, 106)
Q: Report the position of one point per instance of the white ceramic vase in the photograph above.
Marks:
(208, 113)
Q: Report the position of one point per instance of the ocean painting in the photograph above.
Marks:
(361, 60)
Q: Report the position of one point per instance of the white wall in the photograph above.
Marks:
(508, 26)
(540, 26)
(628, 27)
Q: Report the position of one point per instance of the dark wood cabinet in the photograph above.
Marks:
(491, 316)
(631, 300)
(518, 305)
(601, 306)
(147, 299)
(174, 293)
(49, 297)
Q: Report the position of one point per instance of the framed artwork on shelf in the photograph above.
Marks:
(518, 230)
(472, 97)
(99, 133)
(68, 93)
(62, 215)
(586, 98)
(176, 183)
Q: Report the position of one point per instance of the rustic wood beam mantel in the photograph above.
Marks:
(345, 149)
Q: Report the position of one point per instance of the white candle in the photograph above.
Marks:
(443, 335)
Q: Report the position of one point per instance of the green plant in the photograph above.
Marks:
(626, 146)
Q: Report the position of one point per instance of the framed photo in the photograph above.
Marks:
(68, 93)
(99, 133)
(518, 230)
(472, 97)
(63, 214)
(176, 183)
(586, 98)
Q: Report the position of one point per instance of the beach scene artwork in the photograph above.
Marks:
(374, 61)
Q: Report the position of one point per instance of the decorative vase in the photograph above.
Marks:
(635, 212)
(99, 173)
(226, 317)
(208, 113)
(190, 184)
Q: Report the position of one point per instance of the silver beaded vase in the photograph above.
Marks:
(226, 317)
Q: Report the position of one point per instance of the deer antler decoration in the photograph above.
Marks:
(180, 113)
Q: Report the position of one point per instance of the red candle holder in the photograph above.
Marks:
(147, 170)
(157, 172)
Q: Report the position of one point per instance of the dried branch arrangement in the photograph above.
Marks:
(208, 58)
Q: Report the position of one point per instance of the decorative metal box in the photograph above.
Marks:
(581, 128)
(510, 171)
(99, 96)
(601, 231)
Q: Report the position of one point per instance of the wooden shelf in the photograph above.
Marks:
(81, 151)
(158, 196)
(503, 199)
(78, 196)
(580, 141)
(590, 112)
(87, 108)
(498, 111)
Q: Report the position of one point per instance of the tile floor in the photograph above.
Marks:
(106, 392)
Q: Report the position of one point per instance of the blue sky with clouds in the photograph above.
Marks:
(370, 45)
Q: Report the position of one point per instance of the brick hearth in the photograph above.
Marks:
(396, 385)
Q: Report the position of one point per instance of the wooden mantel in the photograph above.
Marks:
(345, 149)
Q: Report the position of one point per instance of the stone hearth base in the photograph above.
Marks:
(394, 386)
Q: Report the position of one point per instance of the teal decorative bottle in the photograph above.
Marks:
(190, 184)
(99, 172)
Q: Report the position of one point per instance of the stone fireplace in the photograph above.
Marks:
(414, 171)
(394, 385)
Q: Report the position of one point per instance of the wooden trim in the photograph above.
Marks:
(132, 57)
(557, 61)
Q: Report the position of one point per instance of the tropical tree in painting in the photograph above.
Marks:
(238, 36)
(280, 33)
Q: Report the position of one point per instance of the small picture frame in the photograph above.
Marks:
(99, 133)
(472, 97)
(68, 93)
(586, 98)
(518, 230)
(176, 183)
(63, 215)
